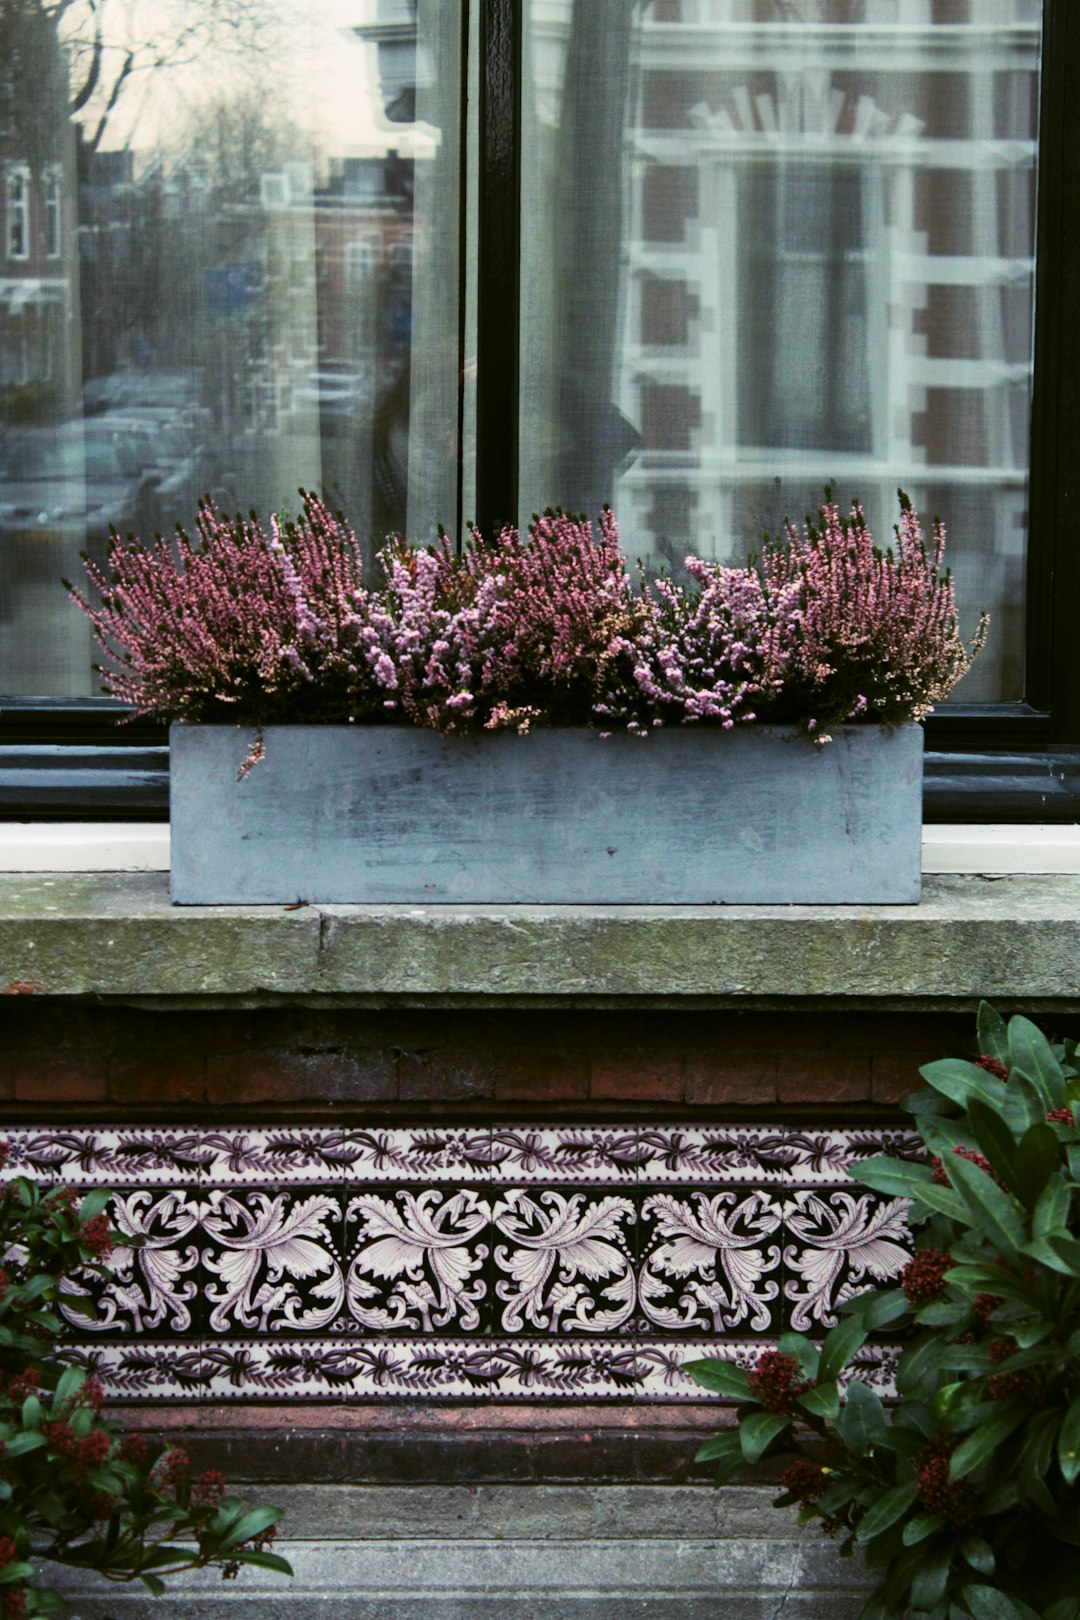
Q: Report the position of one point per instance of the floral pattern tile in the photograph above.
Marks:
(838, 1244)
(710, 1261)
(104, 1156)
(584, 1261)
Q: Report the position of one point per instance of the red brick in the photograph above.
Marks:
(826, 1077)
(56, 1077)
(638, 1076)
(733, 1077)
(156, 1077)
(241, 1077)
(545, 1077)
(447, 1075)
(892, 1078)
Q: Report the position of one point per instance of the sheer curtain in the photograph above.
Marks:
(773, 243)
(231, 264)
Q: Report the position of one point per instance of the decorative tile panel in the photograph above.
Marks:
(466, 1263)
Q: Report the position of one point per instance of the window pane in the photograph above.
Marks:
(773, 243)
(231, 265)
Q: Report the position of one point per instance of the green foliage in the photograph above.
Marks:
(964, 1496)
(72, 1490)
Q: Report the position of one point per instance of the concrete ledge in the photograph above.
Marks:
(1012, 939)
(453, 1554)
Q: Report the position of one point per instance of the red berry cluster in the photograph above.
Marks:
(992, 1065)
(775, 1382)
(96, 1235)
(85, 1452)
(951, 1499)
(805, 1480)
(207, 1490)
(135, 1448)
(14, 1603)
(984, 1305)
(7, 1550)
(24, 1384)
(923, 1278)
(973, 1157)
(170, 1471)
(1008, 1386)
(1060, 1116)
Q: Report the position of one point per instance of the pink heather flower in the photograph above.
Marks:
(258, 625)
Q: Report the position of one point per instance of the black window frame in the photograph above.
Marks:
(1010, 762)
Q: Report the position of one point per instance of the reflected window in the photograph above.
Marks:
(54, 215)
(218, 281)
(17, 215)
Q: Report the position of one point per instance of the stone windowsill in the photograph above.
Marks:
(1012, 939)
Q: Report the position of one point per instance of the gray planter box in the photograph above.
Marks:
(687, 816)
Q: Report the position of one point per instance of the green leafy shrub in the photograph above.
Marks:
(72, 1490)
(964, 1497)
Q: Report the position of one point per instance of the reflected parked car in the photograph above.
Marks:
(67, 485)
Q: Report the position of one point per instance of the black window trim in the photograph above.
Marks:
(69, 760)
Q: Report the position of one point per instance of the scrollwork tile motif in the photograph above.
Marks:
(511, 1261)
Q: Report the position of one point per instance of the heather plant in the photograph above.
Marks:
(963, 1498)
(72, 1490)
(875, 635)
(241, 624)
(261, 625)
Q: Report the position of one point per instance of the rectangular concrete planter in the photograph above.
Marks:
(687, 816)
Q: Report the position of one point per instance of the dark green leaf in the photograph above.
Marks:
(25, 1442)
(1052, 1209)
(1031, 1054)
(979, 1554)
(877, 1310)
(94, 1203)
(721, 1445)
(839, 1347)
(981, 1445)
(988, 1603)
(824, 1401)
(264, 1560)
(15, 1572)
(861, 1423)
(1069, 1444)
(932, 1575)
(154, 1583)
(994, 1138)
(802, 1350)
(1060, 1254)
(993, 1035)
(260, 1519)
(71, 1379)
(961, 1082)
(992, 1211)
(32, 1414)
(917, 1529)
(895, 1177)
(886, 1510)
(1037, 1158)
(722, 1377)
(758, 1430)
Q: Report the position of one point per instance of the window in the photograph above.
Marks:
(694, 257)
(54, 215)
(17, 213)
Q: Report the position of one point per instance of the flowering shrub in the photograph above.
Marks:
(256, 626)
(965, 1503)
(73, 1491)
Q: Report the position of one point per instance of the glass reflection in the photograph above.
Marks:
(769, 243)
(230, 265)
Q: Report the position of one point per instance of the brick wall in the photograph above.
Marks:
(59, 1056)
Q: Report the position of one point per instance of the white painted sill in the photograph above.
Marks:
(144, 847)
